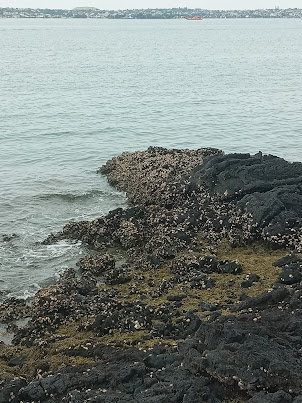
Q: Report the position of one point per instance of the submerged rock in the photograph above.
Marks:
(8, 237)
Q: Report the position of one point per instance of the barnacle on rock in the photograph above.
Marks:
(185, 289)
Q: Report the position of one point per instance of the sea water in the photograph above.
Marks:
(74, 93)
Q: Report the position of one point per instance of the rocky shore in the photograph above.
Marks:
(191, 294)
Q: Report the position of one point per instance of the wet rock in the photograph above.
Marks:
(202, 282)
(208, 264)
(291, 274)
(17, 361)
(288, 260)
(296, 297)
(186, 266)
(32, 392)
(193, 265)
(155, 261)
(231, 283)
(86, 285)
(97, 265)
(246, 284)
(264, 300)
(9, 390)
(117, 276)
(8, 237)
(183, 236)
(277, 397)
(249, 281)
(254, 278)
(127, 234)
(71, 297)
(268, 187)
(206, 306)
(176, 298)
(151, 283)
(135, 212)
(13, 309)
(180, 328)
(248, 173)
(168, 254)
(227, 267)
(187, 269)
(121, 376)
(143, 174)
(132, 316)
(256, 354)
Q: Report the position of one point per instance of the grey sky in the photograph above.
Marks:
(123, 4)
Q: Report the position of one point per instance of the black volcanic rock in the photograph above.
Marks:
(287, 260)
(186, 208)
(227, 267)
(8, 237)
(97, 265)
(291, 274)
(240, 174)
(253, 354)
(291, 269)
(264, 300)
(120, 376)
(277, 397)
(13, 309)
(268, 187)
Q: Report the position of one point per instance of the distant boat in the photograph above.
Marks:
(196, 18)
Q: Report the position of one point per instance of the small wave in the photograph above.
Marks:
(20, 293)
(62, 248)
(72, 197)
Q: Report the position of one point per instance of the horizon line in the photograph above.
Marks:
(79, 8)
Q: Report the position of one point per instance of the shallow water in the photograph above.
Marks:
(76, 92)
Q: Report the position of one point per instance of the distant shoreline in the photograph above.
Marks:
(172, 13)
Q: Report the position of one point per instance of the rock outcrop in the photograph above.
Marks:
(191, 294)
(266, 186)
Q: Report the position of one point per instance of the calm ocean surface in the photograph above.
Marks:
(74, 93)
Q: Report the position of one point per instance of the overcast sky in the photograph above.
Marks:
(124, 4)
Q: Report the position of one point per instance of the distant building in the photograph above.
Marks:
(93, 12)
(85, 9)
